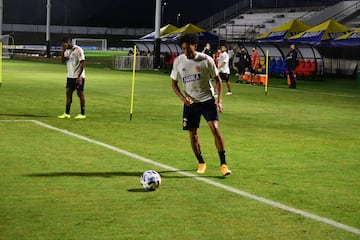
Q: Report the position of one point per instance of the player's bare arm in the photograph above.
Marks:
(63, 49)
(218, 84)
(79, 78)
(221, 65)
(177, 91)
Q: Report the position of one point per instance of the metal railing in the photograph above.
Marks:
(214, 22)
(336, 12)
(126, 62)
(224, 15)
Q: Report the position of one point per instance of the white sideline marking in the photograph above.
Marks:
(205, 180)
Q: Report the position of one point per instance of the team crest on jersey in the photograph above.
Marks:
(198, 68)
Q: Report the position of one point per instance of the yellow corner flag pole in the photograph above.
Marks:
(1, 68)
(267, 71)
(133, 85)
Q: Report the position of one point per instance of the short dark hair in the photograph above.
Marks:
(66, 39)
(191, 38)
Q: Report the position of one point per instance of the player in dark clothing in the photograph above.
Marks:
(243, 62)
(291, 65)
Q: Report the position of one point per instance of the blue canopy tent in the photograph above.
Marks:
(204, 37)
(170, 35)
(322, 34)
(351, 39)
(284, 31)
(163, 31)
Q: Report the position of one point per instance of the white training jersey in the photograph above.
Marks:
(195, 75)
(74, 55)
(224, 57)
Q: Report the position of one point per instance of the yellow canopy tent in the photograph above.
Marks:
(189, 28)
(284, 31)
(321, 34)
(163, 31)
(351, 39)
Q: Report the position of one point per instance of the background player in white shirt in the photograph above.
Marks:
(74, 57)
(224, 69)
(194, 70)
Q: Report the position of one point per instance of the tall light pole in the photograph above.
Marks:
(1, 16)
(66, 12)
(163, 13)
(178, 19)
(157, 41)
(48, 11)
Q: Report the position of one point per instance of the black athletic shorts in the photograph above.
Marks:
(72, 84)
(192, 114)
(224, 76)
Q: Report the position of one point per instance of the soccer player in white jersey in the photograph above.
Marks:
(194, 70)
(224, 69)
(74, 57)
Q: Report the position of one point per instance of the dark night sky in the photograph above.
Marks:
(109, 13)
(122, 13)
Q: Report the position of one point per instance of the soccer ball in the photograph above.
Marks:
(150, 180)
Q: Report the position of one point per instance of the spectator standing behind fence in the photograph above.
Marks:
(291, 65)
(254, 65)
(224, 69)
(243, 61)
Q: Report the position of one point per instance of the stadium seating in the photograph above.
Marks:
(272, 65)
(300, 67)
(306, 68)
(283, 67)
(309, 68)
(171, 57)
(277, 66)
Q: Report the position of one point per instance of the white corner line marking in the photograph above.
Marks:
(205, 180)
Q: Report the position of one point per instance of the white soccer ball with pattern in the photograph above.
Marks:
(150, 180)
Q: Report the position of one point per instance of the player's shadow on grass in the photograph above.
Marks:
(138, 190)
(118, 174)
(101, 174)
(86, 174)
(163, 174)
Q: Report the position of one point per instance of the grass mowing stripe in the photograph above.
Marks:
(205, 180)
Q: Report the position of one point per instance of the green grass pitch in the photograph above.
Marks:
(300, 148)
